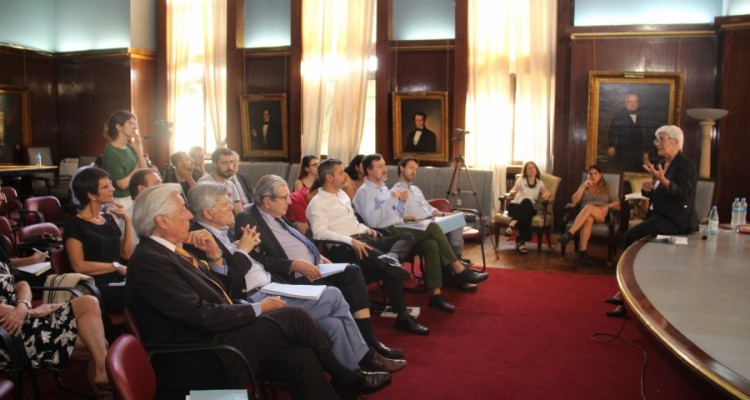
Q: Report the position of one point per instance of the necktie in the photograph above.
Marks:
(197, 263)
(308, 243)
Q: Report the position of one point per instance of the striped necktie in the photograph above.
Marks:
(307, 242)
(197, 263)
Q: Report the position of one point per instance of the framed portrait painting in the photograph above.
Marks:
(625, 109)
(264, 125)
(15, 128)
(420, 125)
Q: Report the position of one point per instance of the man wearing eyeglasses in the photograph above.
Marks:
(293, 258)
(223, 163)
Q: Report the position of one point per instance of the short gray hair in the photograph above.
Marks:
(266, 187)
(152, 202)
(674, 132)
(204, 195)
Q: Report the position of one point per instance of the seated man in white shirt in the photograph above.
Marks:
(379, 207)
(331, 217)
(212, 211)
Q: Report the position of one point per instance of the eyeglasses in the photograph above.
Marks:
(662, 139)
(285, 197)
(107, 186)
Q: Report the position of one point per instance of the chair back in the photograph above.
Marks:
(30, 231)
(10, 204)
(7, 229)
(9, 246)
(48, 206)
(68, 167)
(441, 204)
(132, 324)
(704, 198)
(60, 262)
(129, 369)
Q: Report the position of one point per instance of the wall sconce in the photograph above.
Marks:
(707, 118)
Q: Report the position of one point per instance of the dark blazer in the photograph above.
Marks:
(237, 265)
(270, 253)
(677, 202)
(427, 142)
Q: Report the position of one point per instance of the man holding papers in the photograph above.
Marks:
(417, 208)
(293, 258)
(212, 211)
(331, 217)
(175, 299)
(381, 208)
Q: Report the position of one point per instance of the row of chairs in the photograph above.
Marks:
(32, 209)
(619, 221)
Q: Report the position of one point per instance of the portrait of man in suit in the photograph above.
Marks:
(420, 139)
(264, 131)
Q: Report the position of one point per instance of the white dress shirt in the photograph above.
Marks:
(331, 217)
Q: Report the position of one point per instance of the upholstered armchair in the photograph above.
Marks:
(542, 221)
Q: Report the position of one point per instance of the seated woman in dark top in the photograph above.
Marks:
(93, 240)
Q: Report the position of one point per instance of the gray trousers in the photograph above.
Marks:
(332, 314)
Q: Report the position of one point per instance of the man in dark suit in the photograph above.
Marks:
(295, 258)
(267, 135)
(421, 139)
(629, 136)
(176, 300)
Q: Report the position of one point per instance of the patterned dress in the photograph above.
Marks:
(49, 341)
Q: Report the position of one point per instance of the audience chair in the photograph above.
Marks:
(40, 182)
(46, 209)
(31, 231)
(609, 230)
(7, 229)
(471, 215)
(60, 185)
(11, 207)
(6, 389)
(155, 350)
(542, 222)
(129, 369)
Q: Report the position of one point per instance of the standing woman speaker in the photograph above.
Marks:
(124, 154)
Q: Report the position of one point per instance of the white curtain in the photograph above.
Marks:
(215, 66)
(336, 46)
(510, 122)
(196, 70)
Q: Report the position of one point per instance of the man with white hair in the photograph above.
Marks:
(176, 300)
(212, 211)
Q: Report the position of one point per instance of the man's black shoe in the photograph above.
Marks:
(409, 324)
(617, 312)
(468, 275)
(462, 286)
(370, 382)
(388, 352)
(437, 301)
(615, 301)
(392, 267)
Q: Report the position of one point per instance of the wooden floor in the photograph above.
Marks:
(506, 256)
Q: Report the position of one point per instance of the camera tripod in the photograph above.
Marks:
(454, 190)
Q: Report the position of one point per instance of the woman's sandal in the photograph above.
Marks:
(509, 231)
(521, 248)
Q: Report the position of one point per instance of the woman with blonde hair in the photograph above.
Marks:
(525, 193)
(595, 200)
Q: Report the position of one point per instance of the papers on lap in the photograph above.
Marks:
(311, 292)
(223, 394)
(331, 269)
(449, 223)
(36, 269)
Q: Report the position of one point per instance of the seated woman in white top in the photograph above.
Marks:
(525, 193)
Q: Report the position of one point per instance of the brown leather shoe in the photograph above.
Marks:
(382, 364)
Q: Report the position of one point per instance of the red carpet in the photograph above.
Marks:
(526, 335)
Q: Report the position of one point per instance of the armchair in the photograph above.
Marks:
(541, 223)
(471, 215)
(609, 230)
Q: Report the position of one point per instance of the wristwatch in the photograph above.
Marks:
(116, 265)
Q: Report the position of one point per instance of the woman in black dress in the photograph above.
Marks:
(94, 242)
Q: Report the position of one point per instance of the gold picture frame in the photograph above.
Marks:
(16, 126)
(432, 143)
(264, 125)
(624, 111)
